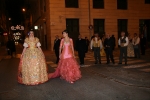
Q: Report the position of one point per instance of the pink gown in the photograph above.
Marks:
(68, 68)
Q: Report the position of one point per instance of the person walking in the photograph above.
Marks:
(32, 67)
(56, 48)
(96, 46)
(81, 48)
(109, 44)
(143, 44)
(123, 43)
(136, 45)
(68, 68)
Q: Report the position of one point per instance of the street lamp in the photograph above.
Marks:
(36, 27)
(23, 9)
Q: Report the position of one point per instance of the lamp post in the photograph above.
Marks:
(90, 26)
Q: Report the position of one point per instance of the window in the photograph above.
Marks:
(71, 3)
(122, 4)
(99, 26)
(98, 3)
(122, 26)
(44, 5)
(72, 26)
(147, 1)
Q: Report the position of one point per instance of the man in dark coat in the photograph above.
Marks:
(81, 48)
(56, 47)
(114, 42)
(11, 47)
(109, 44)
(143, 44)
(87, 44)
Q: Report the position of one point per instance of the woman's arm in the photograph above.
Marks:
(39, 47)
(60, 47)
(24, 49)
(72, 47)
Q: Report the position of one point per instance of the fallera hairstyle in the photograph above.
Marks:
(30, 31)
(65, 32)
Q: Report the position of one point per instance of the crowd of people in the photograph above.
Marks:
(33, 69)
(105, 45)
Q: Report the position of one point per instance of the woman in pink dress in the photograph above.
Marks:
(68, 68)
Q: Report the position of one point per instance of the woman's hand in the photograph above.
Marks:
(60, 56)
(21, 56)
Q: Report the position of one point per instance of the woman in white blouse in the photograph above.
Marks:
(32, 68)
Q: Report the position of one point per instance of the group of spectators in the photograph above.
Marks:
(104, 46)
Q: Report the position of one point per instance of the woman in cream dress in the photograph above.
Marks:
(32, 67)
(102, 51)
(130, 49)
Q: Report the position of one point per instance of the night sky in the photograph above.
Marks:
(14, 8)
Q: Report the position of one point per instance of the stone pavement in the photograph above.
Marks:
(98, 82)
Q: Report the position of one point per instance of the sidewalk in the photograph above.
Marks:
(3, 52)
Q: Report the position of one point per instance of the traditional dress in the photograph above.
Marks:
(102, 51)
(130, 49)
(68, 68)
(32, 68)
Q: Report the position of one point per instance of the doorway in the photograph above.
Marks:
(99, 26)
(72, 26)
(122, 26)
(144, 28)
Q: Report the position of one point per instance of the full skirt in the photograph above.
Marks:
(32, 68)
(68, 69)
(130, 50)
(102, 52)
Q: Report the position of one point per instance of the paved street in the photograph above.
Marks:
(98, 82)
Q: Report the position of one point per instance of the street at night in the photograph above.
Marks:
(74, 49)
(98, 82)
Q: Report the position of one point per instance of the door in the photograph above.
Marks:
(72, 26)
(122, 26)
(99, 26)
(144, 28)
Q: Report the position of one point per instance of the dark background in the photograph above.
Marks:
(14, 8)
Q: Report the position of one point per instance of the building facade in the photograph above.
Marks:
(4, 29)
(78, 16)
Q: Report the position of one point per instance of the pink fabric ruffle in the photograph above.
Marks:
(67, 69)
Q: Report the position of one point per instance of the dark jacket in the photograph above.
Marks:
(56, 44)
(109, 42)
(143, 41)
(80, 45)
(11, 45)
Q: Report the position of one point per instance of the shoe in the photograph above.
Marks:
(113, 62)
(120, 63)
(99, 62)
(126, 64)
(71, 82)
